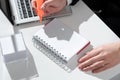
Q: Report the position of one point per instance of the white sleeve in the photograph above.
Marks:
(69, 2)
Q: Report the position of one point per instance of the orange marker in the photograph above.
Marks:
(39, 11)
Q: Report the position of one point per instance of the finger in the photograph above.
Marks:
(50, 10)
(89, 55)
(46, 6)
(94, 66)
(105, 67)
(91, 61)
(47, 3)
(46, 13)
(43, 6)
(50, 6)
(34, 4)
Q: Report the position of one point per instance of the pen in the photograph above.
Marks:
(39, 11)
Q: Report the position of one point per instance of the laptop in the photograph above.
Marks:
(4, 6)
(22, 12)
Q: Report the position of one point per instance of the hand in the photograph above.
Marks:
(101, 58)
(51, 6)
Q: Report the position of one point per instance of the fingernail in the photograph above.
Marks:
(94, 71)
(80, 61)
(80, 67)
(85, 69)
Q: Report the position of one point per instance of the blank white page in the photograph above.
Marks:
(20, 46)
(7, 45)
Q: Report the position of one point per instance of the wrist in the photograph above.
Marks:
(119, 50)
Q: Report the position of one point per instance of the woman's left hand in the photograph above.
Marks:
(101, 58)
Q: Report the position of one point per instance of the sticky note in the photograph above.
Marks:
(39, 11)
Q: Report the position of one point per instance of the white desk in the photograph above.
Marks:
(6, 27)
(83, 21)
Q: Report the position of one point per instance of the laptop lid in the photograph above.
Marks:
(4, 6)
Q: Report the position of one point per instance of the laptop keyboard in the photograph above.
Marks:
(25, 9)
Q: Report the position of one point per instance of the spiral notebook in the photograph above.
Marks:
(61, 44)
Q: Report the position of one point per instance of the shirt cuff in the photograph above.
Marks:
(69, 2)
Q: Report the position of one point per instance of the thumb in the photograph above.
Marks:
(33, 3)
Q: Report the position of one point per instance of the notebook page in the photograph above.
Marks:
(62, 38)
(7, 45)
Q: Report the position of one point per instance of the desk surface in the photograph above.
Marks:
(83, 21)
(6, 27)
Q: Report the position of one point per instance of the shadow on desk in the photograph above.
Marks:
(80, 14)
(22, 69)
(117, 77)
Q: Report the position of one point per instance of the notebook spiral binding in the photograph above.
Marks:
(51, 53)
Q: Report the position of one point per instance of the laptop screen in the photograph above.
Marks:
(4, 6)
